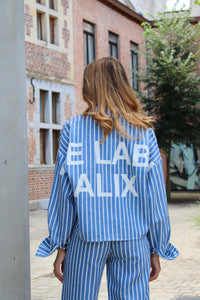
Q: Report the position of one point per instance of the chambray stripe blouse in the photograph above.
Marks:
(113, 191)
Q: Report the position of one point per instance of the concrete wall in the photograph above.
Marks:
(14, 225)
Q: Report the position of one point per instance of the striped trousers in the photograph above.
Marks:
(128, 269)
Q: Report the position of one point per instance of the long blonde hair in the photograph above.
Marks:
(106, 88)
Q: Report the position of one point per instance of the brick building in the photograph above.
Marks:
(50, 87)
(61, 37)
(104, 28)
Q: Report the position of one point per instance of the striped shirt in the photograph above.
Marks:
(113, 191)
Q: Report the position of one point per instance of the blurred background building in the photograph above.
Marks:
(152, 7)
(50, 86)
(62, 37)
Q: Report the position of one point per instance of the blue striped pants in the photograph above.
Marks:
(128, 269)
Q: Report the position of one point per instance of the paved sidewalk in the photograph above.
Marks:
(179, 279)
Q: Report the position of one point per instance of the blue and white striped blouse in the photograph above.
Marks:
(113, 191)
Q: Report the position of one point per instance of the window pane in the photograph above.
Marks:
(113, 37)
(55, 108)
(39, 26)
(134, 67)
(110, 49)
(52, 30)
(134, 47)
(42, 146)
(43, 106)
(88, 27)
(89, 43)
(56, 136)
(51, 4)
(135, 62)
(91, 48)
(114, 51)
(85, 50)
(113, 45)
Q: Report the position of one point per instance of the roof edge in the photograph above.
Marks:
(124, 10)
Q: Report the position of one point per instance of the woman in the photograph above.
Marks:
(108, 203)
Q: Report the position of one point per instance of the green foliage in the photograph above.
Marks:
(173, 78)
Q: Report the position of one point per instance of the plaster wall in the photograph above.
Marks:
(14, 223)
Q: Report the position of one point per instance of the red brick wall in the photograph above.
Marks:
(40, 182)
(28, 20)
(41, 60)
(105, 19)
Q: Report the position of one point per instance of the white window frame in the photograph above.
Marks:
(67, 93)
(49, 125)
(48, 13)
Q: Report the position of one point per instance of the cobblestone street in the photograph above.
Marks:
(178, 278)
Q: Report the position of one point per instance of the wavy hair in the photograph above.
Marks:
(109, 95)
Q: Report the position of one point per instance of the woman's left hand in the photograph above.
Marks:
(155, 266)
(59, 263)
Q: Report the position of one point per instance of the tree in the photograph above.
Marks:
(172, 79)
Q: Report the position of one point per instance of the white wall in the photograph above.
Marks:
(154, 6)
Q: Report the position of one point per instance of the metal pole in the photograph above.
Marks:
(14, 225)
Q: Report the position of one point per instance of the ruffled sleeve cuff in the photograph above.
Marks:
(47, 247)
(169, 253)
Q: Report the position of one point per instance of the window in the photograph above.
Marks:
(56, 136)
(51, 4)
(43, 106)
(89, 42)
(55, 108)
(52, 30)
(43, 138)
(50, 125)
(47, 21)
(134, 66)
(42, 2)
(113, 45)
(40, 17)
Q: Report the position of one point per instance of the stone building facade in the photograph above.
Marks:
(50, 87)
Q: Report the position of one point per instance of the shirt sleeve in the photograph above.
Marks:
(61, 209)
(159, 223)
